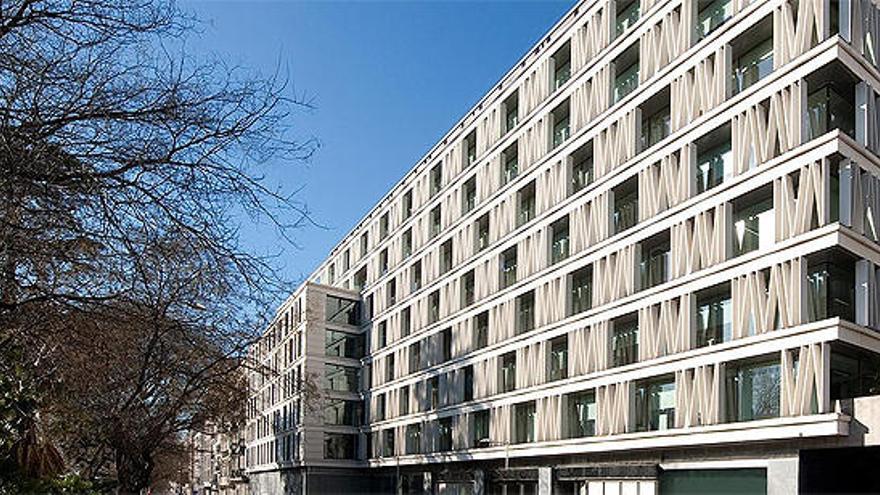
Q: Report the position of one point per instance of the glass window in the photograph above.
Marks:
(468, 384)
(713, 165)
(407, 244)
(654, 265)
(562, 65)
(581, 290)
(404, 400)
(345, 311)
(828, 110)
(446, 256)
(443, 438)
(343, 412)
(380, 407)
(626, 206)
(561, 124)
(481, 330)
(415, 276)
(436, 179)
(433, 392)
(436, 221)
(434, 307)
(711, 15)
(470, 148)
(481, 235)
(582, 168)
(754, 226)
(526, 204)
(753, 65)
(714, 312)
(831, 291)
(559, 358)
(383, 225)
(388, 443)
(383, 261)
(407, 204)
(414, 438)
(655, 127)
(415, 357)
(626, 81)
(390, 367)
(625, 341)
(581, 414)
(509, 164)
(753, 391)
(467, 289)
(341, 344)
(655, 406)
(508, 372)
(525, 306)
(559, 243)
(340, 446)
(469, 195)
(480, 428)
(854, 373)
(511, 112)
(524, 422)
(341, 378)
(405, 322)
(508, 267)
(627, 15)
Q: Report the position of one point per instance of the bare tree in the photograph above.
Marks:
(126, 164)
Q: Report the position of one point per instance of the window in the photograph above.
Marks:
(407, 204)
(509, 164)
(626, 78)
(561, 65)
(468, 392)
(415, 357)
(582, 167)
(712, 14)
(581, 414)
(481, 233)
(626, 205)
(655, 405)
(388, 442)
(383, 225)
(415, 276)
(340, 446)
(627, 15)
(331, 273)
(380, 407)
(481, 330)
(561, 124)
(508, 267)
(714, 159)
(406, 243)
(467, 289)
(390, 367)
(754, 226)
(525, 423)
(511, 111)
(752, 56)
(340, 310)
(469, 195)
(383, 261)
(526, 201)
(403, 400)
(714, 313)
(446, 344)
(433, 385)
(480, 428)
(508, 372)
(830, 107)
(470, 148)
(444, 435)
(446, 256)
(559, 358)
(414, 438)
(654, 265)
(436, 221)
(854, 373)
(342, 412)
(525, 312)
(360, 278)
(341, 344)
(656, 123)
(346, 260)
(434, 307)
(580, 292)
(405, 322)
(341, 378)
(831, 287)
(436, 179)
(625, 340)
(753, 390)
(382, 334)
(559, 242)
(365, 244)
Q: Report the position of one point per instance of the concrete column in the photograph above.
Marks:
(545, 481)
(782, 476)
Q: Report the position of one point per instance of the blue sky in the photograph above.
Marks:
(388, 79)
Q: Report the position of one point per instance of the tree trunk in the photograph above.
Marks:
(133, 470)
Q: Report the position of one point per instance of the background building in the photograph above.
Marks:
(645, 262)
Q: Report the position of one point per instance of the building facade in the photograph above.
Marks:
(645, 262)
